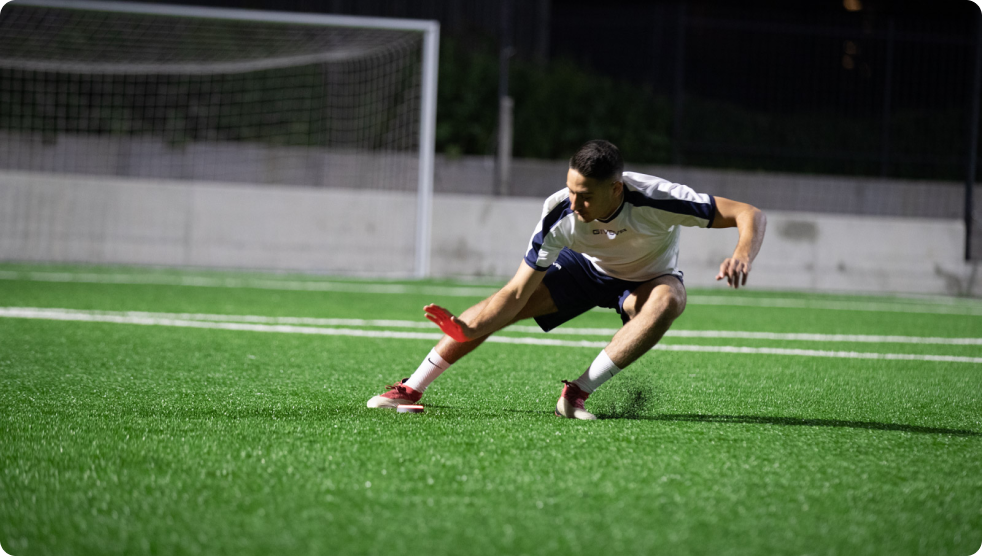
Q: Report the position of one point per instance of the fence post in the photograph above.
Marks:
(973, 138)
(502, 165)
(679, 92)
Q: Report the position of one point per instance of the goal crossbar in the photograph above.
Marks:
(239, 14)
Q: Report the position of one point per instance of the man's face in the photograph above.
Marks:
(591, 199)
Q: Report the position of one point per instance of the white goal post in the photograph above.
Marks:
(381, 139)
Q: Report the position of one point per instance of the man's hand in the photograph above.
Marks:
(751, 223)
(449, 324)
(735, 270)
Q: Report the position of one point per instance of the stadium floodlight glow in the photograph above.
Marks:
(227, 95)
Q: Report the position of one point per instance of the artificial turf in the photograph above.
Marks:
(129, 439)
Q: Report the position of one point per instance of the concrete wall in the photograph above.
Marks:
(120, 221)
(223, 162)
(823, 252)
(47, 217)
(239, 162)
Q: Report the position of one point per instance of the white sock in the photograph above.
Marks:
(601, 370)
(428, 370)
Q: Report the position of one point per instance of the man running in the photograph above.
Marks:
(609, 239)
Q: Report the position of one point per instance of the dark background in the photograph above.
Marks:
(874, 88)
(861, 87)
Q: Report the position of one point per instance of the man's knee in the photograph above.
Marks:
(672, 303)
(661, 301)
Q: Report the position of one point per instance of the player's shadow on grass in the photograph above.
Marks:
(635, 399)
(798, 422)
(760, 420)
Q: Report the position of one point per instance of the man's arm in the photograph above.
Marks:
(751, 223)
(499, 311)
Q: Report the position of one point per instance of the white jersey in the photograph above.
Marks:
(640, 241)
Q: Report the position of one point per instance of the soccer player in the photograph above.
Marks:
(609, 239)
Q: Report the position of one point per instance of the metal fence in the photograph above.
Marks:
(862, 87)
(886, 90)
(836, 92)
(808, 87)
(864, 92)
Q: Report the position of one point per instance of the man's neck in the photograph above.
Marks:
(617, 205)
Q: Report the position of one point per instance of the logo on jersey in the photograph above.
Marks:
(610, 233)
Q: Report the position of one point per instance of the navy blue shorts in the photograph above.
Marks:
(576, 287)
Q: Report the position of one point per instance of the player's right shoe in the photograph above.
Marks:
(571, 403)
(397, 394)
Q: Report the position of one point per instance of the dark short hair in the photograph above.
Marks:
(597, 159)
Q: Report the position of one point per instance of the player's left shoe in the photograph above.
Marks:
(571, 403)
(397, 394)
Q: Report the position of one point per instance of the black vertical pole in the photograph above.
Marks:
(887, 98)
(505, 51)
(502, 172)
(973, 138)
(679, 86)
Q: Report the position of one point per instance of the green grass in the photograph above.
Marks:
(127, 439)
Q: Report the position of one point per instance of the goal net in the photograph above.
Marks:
(216, 96)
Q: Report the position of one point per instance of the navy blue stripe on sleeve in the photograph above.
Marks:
(534, 266)
(712, 215)
(706, 211)
(548, 223)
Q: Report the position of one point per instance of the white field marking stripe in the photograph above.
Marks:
(51, 315)
(312, 321)
(257, 283)
(910, 305)
(121, 319)
(968, 309)
(792, 337)
(818, 353)
(802, 337)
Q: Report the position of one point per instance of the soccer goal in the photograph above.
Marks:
(178, 94)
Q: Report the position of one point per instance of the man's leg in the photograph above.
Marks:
(448, 351)
(652, 308)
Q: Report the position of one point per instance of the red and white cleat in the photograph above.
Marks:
(397, 394)
(570, 404)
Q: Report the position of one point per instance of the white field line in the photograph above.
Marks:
(819, 353)
(258, 283)
(293, 329)
(967, 307)
(26, 313)
(939, 306)
(789, 337)
(606, 332)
